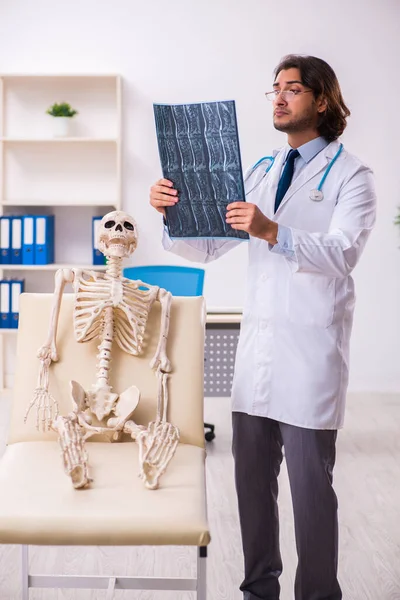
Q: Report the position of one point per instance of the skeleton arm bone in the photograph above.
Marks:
(62, 277)
(160, 358)
(42, 399)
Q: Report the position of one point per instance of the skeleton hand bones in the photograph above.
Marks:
(42, 398)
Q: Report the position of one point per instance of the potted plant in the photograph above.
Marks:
(62, 114)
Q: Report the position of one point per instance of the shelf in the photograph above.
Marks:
(26, 99)
(58, 140)
(52, 267)
(57, 203)
(57, 75)
(74, 177)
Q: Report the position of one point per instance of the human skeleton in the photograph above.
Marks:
(110, 308)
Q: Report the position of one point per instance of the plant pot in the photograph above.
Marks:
(61, 126)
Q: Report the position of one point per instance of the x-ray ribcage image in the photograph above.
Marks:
(200, 154)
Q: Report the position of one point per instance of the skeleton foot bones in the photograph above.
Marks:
(111, 309)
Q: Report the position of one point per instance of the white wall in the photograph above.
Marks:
(181, 51)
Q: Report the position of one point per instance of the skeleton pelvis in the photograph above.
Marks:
(94, 406)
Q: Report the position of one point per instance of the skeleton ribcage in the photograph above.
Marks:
(129, 314)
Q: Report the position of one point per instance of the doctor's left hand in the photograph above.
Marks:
(248, 217)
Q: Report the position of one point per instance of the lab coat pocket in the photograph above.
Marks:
(311, 299)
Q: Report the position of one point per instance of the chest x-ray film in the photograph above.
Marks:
(199, 152)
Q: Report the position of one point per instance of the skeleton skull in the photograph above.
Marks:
(117, 234)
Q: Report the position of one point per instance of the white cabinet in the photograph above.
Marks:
(74, 177)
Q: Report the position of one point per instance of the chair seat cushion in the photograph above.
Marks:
(38, 504)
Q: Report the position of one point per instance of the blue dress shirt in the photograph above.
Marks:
(307, 152)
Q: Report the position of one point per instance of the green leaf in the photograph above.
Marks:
(61, 110)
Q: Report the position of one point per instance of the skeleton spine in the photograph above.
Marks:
(114, 272)
(104, 355)
(114, 267)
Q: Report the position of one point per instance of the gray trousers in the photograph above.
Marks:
(310, 458)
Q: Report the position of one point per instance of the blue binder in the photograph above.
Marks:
(16, 240)
(16, 289)
(5, 314)
(44, 235)
(98, 257)
(5, 240)
(28, 240)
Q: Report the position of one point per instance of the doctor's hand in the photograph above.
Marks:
(248, 217)
(162, 194)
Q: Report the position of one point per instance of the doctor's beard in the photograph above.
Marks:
(303, 122)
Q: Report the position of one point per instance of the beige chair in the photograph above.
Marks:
(38, 505)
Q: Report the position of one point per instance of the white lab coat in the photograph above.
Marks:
(293, 354)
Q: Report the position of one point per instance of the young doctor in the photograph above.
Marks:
(309, 213)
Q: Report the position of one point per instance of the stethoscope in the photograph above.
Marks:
(316, 194)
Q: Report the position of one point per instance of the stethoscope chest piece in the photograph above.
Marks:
(316, 195)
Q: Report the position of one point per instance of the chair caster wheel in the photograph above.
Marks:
(209, 436)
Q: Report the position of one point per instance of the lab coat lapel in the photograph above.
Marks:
(273, 180)
(316, 166)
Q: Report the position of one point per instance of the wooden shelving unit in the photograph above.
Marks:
(72, 177)
(51, 267)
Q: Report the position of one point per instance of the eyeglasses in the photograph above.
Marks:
(287, 95)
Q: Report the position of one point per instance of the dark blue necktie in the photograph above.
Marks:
(286, 177)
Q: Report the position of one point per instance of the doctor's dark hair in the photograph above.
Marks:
(317, 75)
